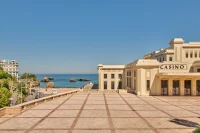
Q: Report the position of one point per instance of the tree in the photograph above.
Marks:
(4, 75)
(22, 88)
(4, 83)
(5, 95)
(29, 76)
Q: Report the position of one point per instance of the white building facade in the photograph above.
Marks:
(171, 71)
(10, 66)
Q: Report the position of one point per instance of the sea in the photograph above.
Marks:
(63, 80)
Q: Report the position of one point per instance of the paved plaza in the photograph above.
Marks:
(108, 113)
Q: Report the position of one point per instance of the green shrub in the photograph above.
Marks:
(5, 95)
(4, 83)
(197, 130)
(4, 75)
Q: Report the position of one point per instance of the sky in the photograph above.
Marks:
(74, 36)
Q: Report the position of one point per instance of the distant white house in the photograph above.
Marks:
(10, 66)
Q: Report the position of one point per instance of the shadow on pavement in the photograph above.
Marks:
(95, 86)
(184, 122)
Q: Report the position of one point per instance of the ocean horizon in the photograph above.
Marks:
(63, 80)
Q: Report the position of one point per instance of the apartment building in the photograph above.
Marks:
(10, 66)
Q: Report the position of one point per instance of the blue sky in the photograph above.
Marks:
(61, 36)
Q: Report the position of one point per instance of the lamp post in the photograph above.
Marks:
(39, 91)
(21, 92)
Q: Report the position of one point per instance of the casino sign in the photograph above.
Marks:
(174, 66)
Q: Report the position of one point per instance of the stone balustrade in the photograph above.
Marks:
(18, 109)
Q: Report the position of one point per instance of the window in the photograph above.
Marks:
(134, 73)
(195, 55)
(105, 84)
(134, 84)
(199, 54)
(129, 82)
(120, 76)
(170, 58)
(112, 76)
(186, 55)
(129, 73)
(112, 85)
(191, 54)
(105, 76)
(148, 85)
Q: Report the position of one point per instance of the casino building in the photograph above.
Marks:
(171, 71)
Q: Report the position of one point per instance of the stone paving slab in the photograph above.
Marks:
(3, 119)
(12, 131)
(19, 123)
(35, 113)
(143, 107)
(64, 113)
(95, 102)
(55, 123)
(152, 114)
(158, 103)
(119, 107)
(91, 131)
(94, 113)
(49, 131)
(116, 102)
(179, 103)
(45, 106)
(74, 102)
(66, 106)
(92, 123)
(137, 102)
(55, 101)
(108, 113)
(135, 131)
(170, 107)
(164, 123)
(94, 107)
(96, 99)
(192, 108)
(176, 130)
(132, 99)
(78, 98)
(119, 113)
(182, 113)
(129, 123)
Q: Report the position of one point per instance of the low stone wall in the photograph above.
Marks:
(14, 110)
(122, 91)
(2, 112)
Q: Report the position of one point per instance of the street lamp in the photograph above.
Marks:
(21, 92)
(38, 91)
